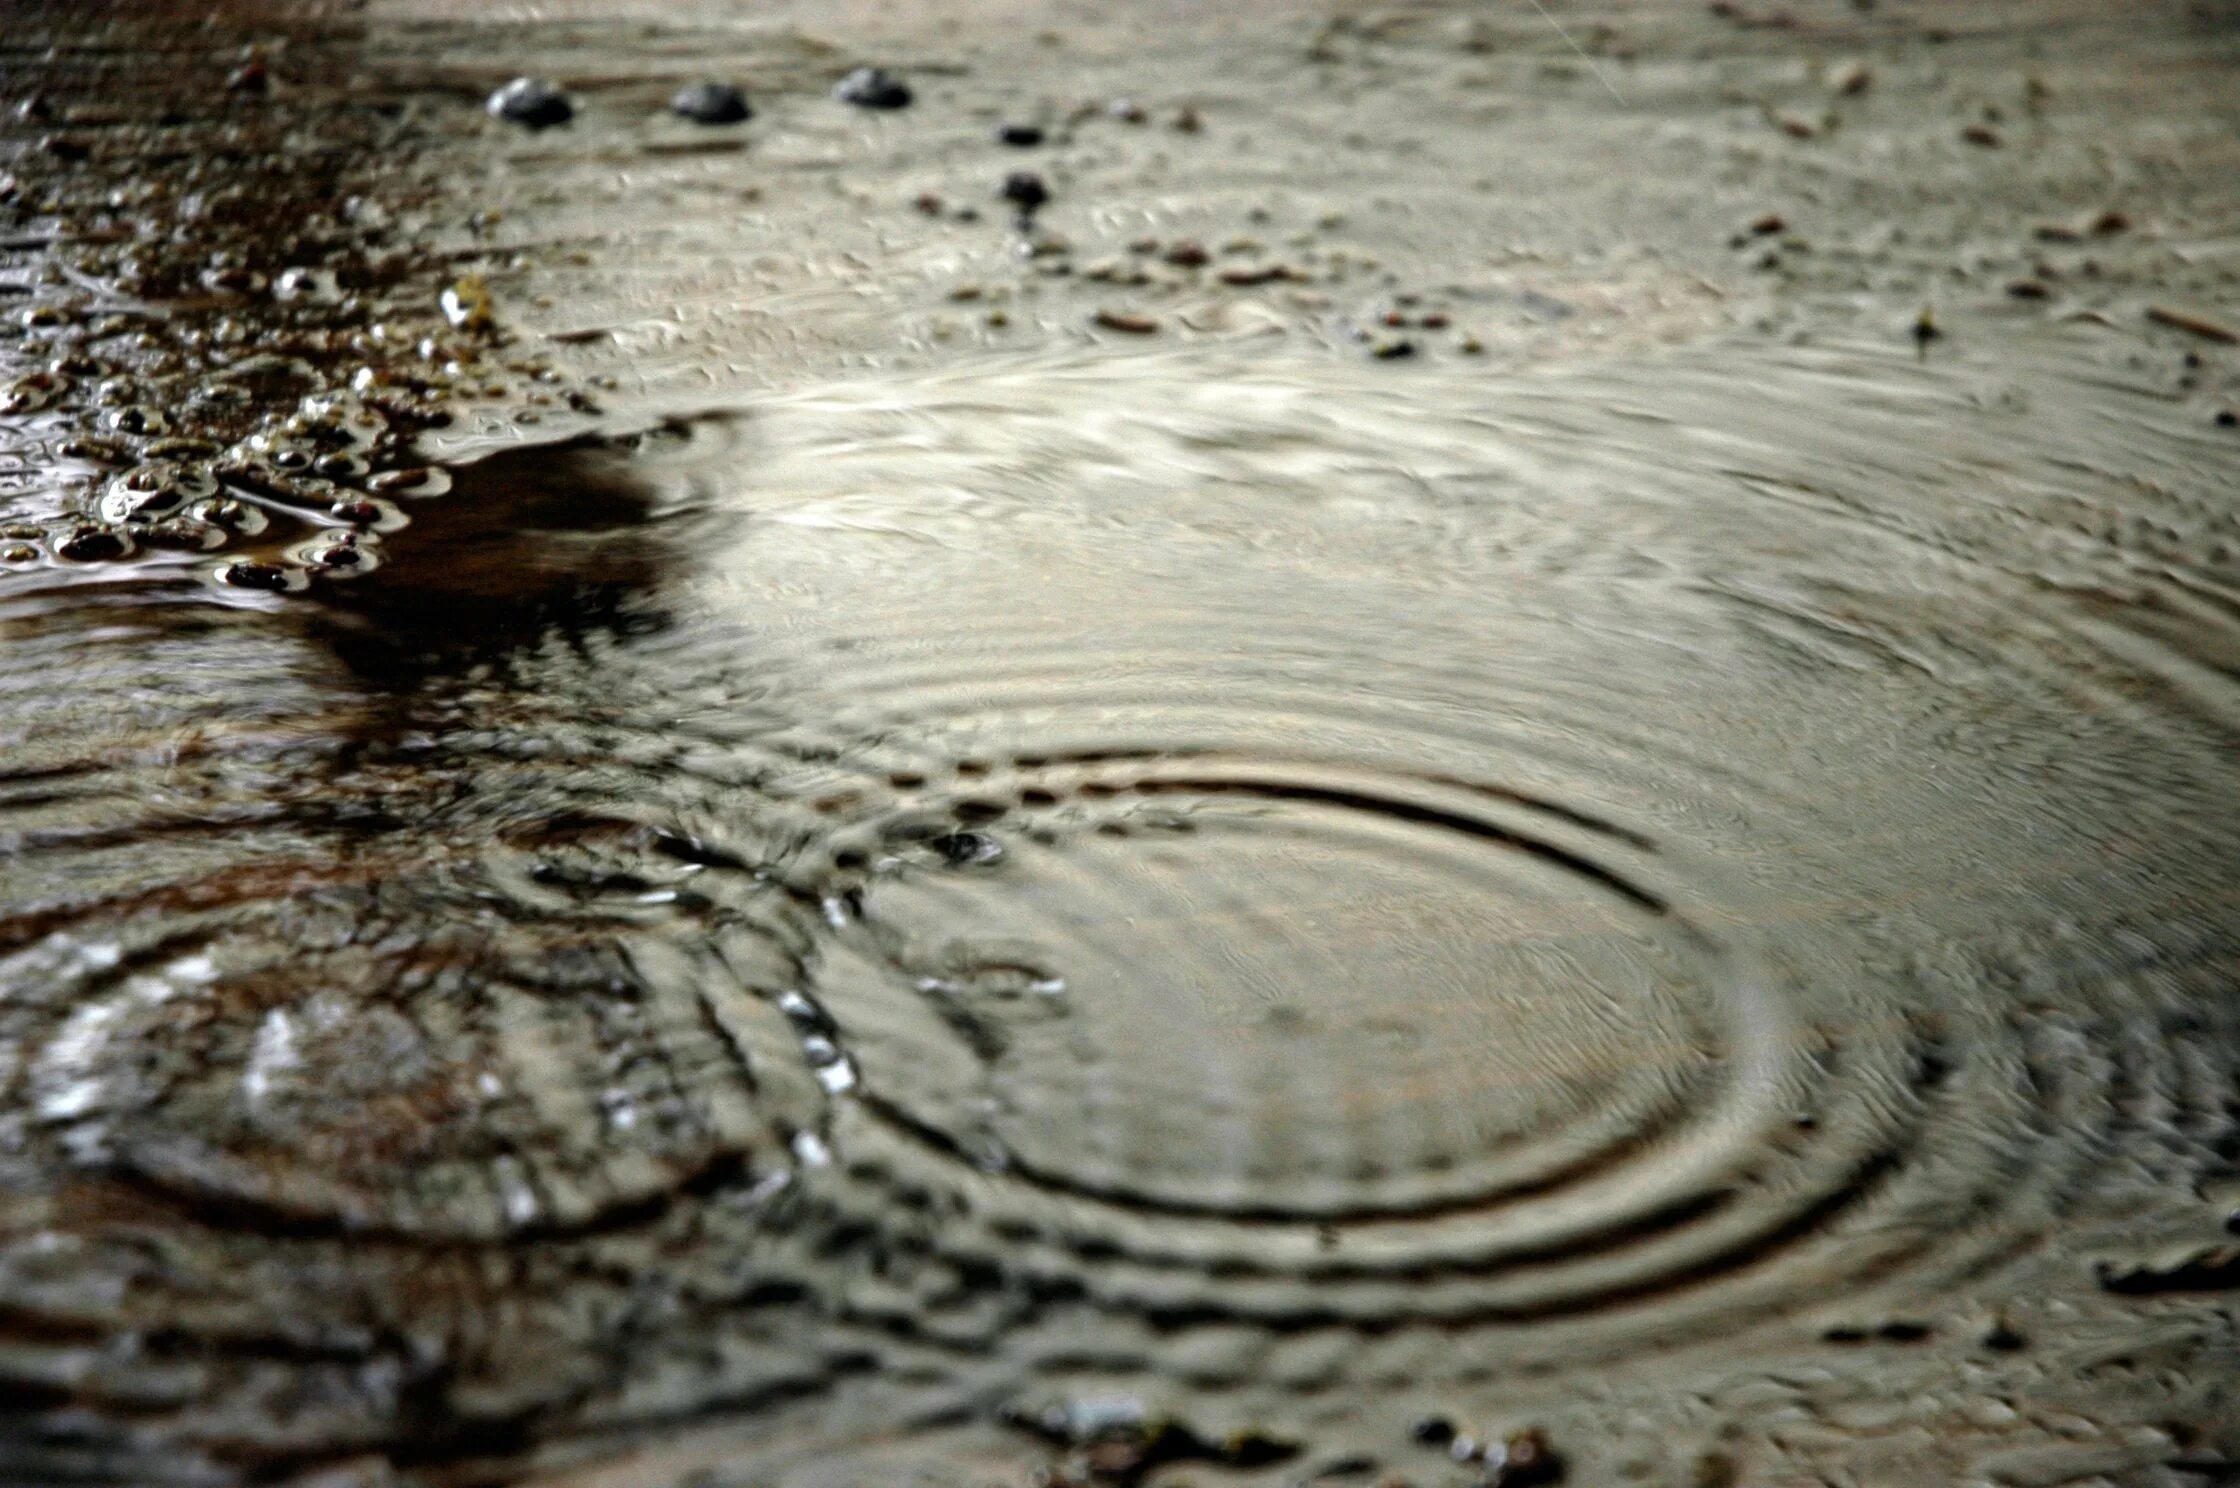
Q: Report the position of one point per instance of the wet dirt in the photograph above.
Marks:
(918, 846)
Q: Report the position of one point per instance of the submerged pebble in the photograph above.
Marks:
(1019, 136)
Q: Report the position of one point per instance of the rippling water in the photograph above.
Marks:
(1329, 888)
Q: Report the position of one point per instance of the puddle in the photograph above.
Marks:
(1068, 875)
(920, 892)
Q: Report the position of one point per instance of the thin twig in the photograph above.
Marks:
(1592, 65)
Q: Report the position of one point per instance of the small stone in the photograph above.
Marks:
(2004, 1339)
(1769, 224)
(532, 103)
(2226, 419)
(1025, 190)
(873, 88)
(1981, 135)
(1127, 321)
(1019, 136)
(93, 545)
(1391, 348)
(1185, 254)
(266, 578)
(2028, 289)
(711, 103)
(250, 77)
(1432, 1431)
(1186, 120)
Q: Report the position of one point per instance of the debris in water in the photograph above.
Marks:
(1026, 191)
(1019, 136)
(711, 103)
(1250, 274)
(466, 303)
(873, 88)
(2212, 1268)
(2194, 323)
(1925, 329)
(532, 103)
(1128, 321)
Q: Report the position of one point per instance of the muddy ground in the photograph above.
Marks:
(1499, 745)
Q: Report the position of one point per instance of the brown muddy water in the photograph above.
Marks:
(1403, 797)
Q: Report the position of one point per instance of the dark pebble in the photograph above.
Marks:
(962, 848)
(1432, 1431)
(874, 88)
(2004, 1340)
(270, 578)
(531, 102)
(711, 103)
(2226, 419)
(1019, 136)
(1025, 190)
(93, 545)
(62, 147)
(249, 77)
(1391, 349)
(364, 513)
